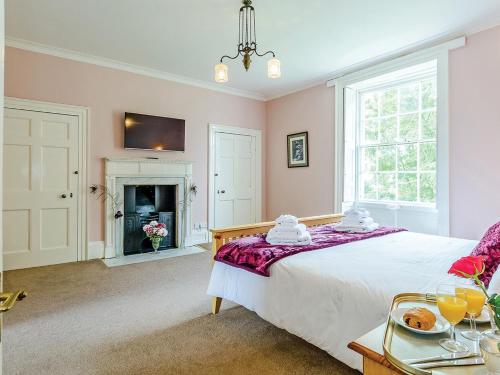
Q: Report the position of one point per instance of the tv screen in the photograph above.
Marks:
(153, 132)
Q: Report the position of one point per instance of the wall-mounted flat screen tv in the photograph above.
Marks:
(154, 132)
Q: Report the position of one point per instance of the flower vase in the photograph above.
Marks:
(155, 241)
(494, 316)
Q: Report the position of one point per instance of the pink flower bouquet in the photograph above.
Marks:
(155, 232)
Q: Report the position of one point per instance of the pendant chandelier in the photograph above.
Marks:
(247, 46)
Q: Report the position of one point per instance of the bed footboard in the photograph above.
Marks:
(220, 236)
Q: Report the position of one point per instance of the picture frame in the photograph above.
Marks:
(298, 150)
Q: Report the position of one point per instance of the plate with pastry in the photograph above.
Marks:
(420, 320)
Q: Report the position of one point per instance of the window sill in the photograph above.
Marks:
(415, 207)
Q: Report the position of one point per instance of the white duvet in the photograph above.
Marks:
(332, 296)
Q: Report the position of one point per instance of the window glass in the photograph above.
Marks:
(397, 144)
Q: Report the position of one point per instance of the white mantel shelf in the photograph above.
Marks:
(148, 167)
(152, 160)
(121, 171)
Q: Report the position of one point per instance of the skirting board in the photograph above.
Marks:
(95, 250)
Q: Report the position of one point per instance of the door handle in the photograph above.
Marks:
(63, 196)
(222, 191)
(8, 299)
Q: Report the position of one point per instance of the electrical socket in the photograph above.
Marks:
(199, 226)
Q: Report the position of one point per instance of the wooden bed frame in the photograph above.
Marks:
(224, 235)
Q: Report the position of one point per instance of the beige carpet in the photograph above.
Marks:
(147, 318)
(206, 246)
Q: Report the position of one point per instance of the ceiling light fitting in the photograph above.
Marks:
(247, 46)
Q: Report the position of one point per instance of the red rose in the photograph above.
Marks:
(468, 266)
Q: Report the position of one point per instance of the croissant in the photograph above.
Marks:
(419, 318)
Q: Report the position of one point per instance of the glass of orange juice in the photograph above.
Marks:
(453, 308)
(476, 299)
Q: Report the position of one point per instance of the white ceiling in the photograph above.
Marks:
(312, 38)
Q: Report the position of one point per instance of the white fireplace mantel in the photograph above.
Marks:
(121, 171)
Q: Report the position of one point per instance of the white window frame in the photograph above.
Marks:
(438, 53)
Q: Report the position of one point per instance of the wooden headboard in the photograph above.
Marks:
(220, 236)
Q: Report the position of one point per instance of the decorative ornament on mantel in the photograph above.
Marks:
(247, 46)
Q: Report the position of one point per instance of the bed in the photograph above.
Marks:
(330, 297)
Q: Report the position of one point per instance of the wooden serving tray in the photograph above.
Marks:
(400, 344)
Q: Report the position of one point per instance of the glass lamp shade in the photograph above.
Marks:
(221, 73)
(274, 68)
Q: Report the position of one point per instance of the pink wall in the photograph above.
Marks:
(301, 191)
(475, 134)
(474, 142)
(474, 129)
(109, 93)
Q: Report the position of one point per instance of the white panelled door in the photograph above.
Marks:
(40, 188)
(235, 179)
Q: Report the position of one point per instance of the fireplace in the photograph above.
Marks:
(142, 204)
(147, 189)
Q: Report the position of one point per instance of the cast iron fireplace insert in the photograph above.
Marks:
(142, 204)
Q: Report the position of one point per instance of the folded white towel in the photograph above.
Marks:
(287, 220)
(356, 228)
(351, 221)
(356, 220)
(288, 235)
(295, 230)
(304, 239)
(288, 231)
(359, 213)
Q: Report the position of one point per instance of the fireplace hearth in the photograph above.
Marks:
(143, 204)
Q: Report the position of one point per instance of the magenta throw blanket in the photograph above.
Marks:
(255, 255)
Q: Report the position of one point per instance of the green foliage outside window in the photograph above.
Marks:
(398, 158)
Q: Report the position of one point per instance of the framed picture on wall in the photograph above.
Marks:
(298, 150)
